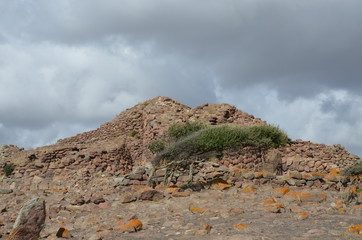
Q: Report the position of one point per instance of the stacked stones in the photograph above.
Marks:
(301, 156)
(6, 152)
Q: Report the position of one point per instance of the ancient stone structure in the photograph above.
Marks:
(116, 147)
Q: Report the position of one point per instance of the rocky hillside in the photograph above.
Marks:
(100, 185)
(116, 146)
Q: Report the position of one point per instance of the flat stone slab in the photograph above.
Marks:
(5, 191)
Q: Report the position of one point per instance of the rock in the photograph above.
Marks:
(121, 181)
(248, 189)
(134, 176)
(241, 227)
(305, 197)
(63, 233)
(300, 183)
(134, 225)
(280, 192)
(151, 195)
(97, 199)
(180, 194)
(301, 216)
(30, 221)
(128, 197)
(78, 201)
(357, 229)
(5, 191)
(249, 175)
(197, 210)
(291, 181)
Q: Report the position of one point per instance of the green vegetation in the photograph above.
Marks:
(133, 133)
(208, 141)
(180, 130)
(353, 170)
(8, 169)
(156, 146)
(193, 142)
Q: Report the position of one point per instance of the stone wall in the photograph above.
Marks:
(301, 156)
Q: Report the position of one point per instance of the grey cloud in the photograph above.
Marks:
(299, 48)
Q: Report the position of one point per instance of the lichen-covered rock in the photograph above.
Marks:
(30, 221)
(134, 225)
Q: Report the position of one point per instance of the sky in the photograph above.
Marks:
(68, 66)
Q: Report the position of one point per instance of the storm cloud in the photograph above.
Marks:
(68, 66)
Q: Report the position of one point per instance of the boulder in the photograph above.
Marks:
(30, 221)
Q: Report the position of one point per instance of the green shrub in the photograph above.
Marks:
(8, 169)
(207, 141)
(156, 146)
(353, 170)
(224, 137)
(180, 130)
(133, 133)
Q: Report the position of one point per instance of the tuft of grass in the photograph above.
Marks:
(156, 146)
(207, 141)
(353, 170)
(180, 130)
(8, 169)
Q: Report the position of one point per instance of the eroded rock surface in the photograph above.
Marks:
(30, 221)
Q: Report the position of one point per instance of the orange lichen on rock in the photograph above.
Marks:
(342, 210)
(274, 207)
(197, 210)
(280, 192)
(335, 171)
(307, 176)
(258, 174)
(133, 225)
(223, 186)
(355, 229)
(305, 197)
(241, 227)
(339, 203)
(63, 233)
(1, 223)
(248, 189)
(302, 216)
(63, 190)
(269, 201)
(353, 190)
(173, 189)
(296, 196)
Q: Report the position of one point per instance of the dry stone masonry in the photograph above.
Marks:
(89, 178)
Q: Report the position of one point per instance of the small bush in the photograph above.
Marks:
(208, 141)
(156, 146)
(223, 137)
(133, 133)
(8, 169)
(353, 170)
(180, 130)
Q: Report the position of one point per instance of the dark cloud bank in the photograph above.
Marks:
(68, 66)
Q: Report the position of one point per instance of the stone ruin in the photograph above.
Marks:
(120, 146)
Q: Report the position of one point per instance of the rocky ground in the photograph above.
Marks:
(221, 212)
